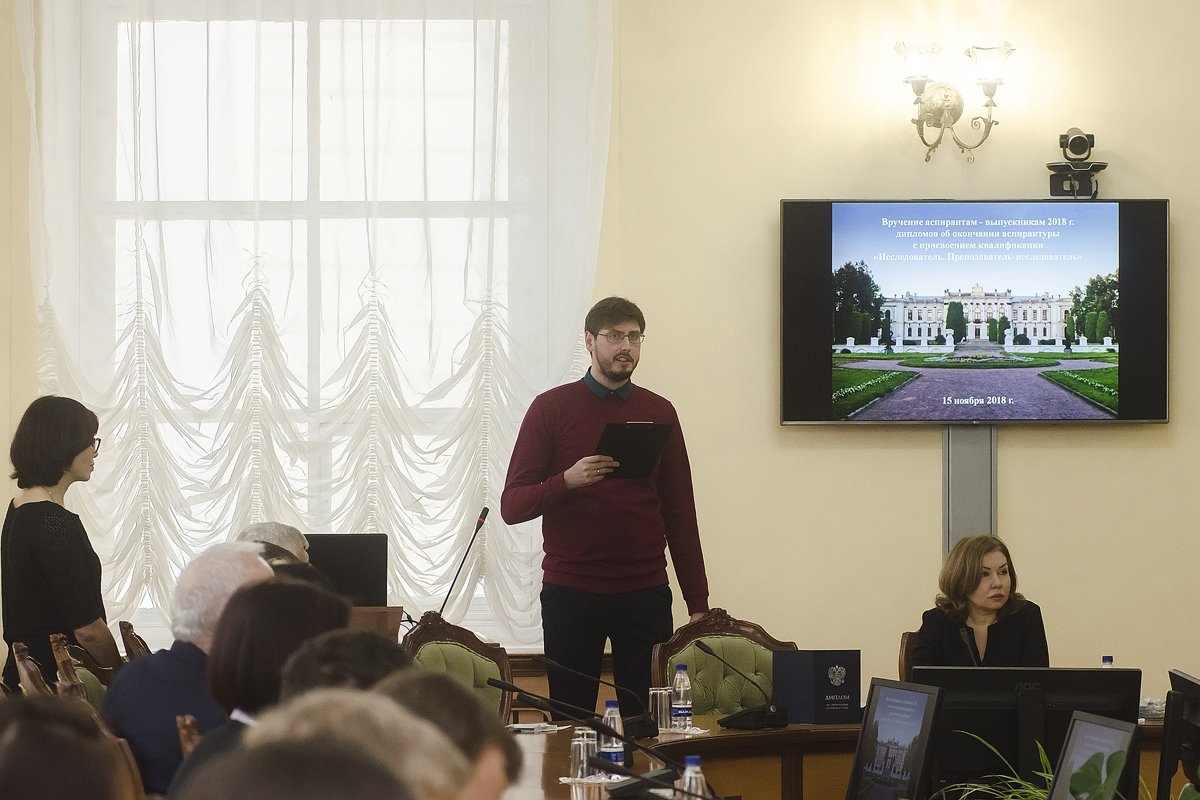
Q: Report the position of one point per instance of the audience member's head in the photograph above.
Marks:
(52, 749)
(416, 752)
(262, 624)
(354, 659)
(275, 555)
(277, 533)
(205, 586)
(306, 770)
(299, 571)
(459, 713)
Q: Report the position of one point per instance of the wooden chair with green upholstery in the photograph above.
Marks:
(437, 644)
(716, 689)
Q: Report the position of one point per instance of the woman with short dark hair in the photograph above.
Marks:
(261, 626)
(49, 572)
(980, 618)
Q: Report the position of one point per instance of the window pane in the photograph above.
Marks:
(194, 124)
(409, 110)
(210, 267)
(423, 271)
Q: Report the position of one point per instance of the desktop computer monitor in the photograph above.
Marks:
(355, 563)
(892, 758)
(1094, 758)
(1181, 733)
(1013, 709)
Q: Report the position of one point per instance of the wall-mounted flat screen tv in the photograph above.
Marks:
(973, 312)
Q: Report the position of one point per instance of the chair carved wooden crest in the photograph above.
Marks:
(433, 642)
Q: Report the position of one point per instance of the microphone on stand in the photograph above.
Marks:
(966, 640)
(659, 779)
(478, 524)
(750, 719)
(640, 726)
(546, 704)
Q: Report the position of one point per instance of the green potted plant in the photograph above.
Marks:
(1096, 778)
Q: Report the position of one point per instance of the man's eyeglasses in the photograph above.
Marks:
(616, 337)
(96, 445)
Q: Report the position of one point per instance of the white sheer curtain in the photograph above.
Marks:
(310, 261)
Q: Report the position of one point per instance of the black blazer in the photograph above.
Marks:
(1014, 640)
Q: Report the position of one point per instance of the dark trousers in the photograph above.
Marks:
(575, 626)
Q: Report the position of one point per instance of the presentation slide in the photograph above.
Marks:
(957, 311)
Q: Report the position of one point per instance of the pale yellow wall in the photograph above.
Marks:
(17, 376)
(829, 536)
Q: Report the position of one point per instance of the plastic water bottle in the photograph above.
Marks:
(1106, 661)
(611, 748)
(681, 700)
(691, 782)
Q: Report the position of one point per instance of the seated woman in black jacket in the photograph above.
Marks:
(980, 618)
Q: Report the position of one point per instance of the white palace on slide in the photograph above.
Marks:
(1041, 316)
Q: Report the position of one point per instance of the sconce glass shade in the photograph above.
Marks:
(939, 105)
(989, 61)
(918, 59)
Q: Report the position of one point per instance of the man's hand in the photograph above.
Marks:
(699, 615)
(589, 470)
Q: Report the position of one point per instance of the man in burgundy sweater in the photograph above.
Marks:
(605, 567)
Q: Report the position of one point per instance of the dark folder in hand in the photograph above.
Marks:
(636, 445)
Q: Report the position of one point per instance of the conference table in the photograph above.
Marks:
(799, 762)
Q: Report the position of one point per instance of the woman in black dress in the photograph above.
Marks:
(980, 619)
(49, 573)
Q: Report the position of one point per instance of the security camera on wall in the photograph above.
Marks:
(1074, 177)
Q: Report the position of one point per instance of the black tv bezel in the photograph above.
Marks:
(806, 271)
(919, 781)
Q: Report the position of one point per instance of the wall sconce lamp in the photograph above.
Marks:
(940, 105)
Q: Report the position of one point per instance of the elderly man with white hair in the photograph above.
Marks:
(147, 694)
(278, 534)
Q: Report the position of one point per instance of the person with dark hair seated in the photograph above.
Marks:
(296, 770)
(354, 659)
(472, 726)
(261, 626)
(52, 749)
(49, 572)
(275, 555)
(286, 565)
(980, 618)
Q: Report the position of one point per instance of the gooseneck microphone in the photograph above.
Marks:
(547, 704)
(768, 715)
(478, 524)
(658, 779)
(640, 726)
(966, 640)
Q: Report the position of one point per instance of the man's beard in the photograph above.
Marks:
(613, 375)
